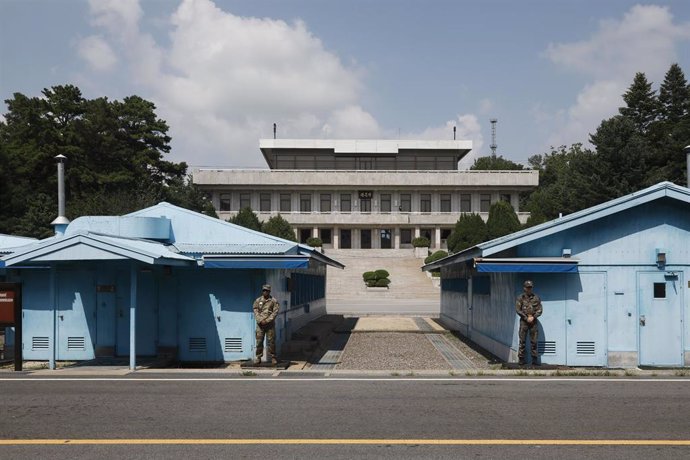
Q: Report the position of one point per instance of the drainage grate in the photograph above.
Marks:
(546, 348)
(233, 345)
(197, 344)
(455, 357)
(422, 324)
(75, 343)
(39, 343)
(335, 350)
(586, 348)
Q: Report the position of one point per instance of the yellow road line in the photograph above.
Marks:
(433, 442)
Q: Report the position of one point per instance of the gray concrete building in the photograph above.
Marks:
(363, 194)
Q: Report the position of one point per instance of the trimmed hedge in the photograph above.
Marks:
(421, 242)
(368, 276)
(377, 278)
(438, 255)
(383, 282)
(380, 273)
(314, 242)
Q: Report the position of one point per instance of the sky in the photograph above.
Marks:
(221, 72)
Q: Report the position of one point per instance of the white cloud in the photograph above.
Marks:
(644, 40)
(223, 80)
(485, 106)
(97, 53)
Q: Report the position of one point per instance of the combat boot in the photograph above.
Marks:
(274, 361)
(257, 361)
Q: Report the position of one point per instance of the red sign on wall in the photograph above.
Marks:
(7, 307)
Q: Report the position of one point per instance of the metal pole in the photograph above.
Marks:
(687, 163)
(133, 317)
(53, 299)
(61, 186)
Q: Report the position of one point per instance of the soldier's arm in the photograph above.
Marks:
(257, 314)
(538, 309)
(518, 310)
(274, 313)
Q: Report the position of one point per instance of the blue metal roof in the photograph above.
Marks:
(655, 192)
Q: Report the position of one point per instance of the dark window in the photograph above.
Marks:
(659, 290)
(345, 202)
(265, 202)
(365, 234)
(405, 236)
(304, 235)
(245, 200)
(346, 238)
(484, 202)
(325, 202)
(426, 233)
(365, 205)
(305, 202)
(465, 202)
(386, 238)
(505, 197)
(481, 285)
(445, 233)
(385, 202)
(225, 201)
(366, 163)
(325, 235)
(445, 202)
(405, 202)
(285, 202)
(425, 202)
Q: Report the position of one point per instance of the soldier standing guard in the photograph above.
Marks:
(528, 308)
(266, 309)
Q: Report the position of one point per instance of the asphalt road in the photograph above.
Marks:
(295, 418)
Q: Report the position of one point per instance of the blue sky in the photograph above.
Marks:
(222, 72)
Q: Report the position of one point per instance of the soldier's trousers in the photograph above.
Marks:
(533, 330)
(269, 330)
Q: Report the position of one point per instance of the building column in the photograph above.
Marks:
(315, 232)
(396, 238)
(336, 237)
(53, 299)
(417, 232)
(437, 243)
(133, 317)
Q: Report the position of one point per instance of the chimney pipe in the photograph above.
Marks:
(454, 128)
(687, 163)
(61, 222)
(274, 130)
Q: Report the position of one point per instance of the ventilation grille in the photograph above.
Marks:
(233, 345)
(197, 344)
(546, 348)
(39, 343)
(75, 343)
(586, 348)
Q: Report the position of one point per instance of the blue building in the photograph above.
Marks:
(160, 281)
(614, 281)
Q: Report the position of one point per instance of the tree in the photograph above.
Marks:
(469, 231)
(502, 220)
(492, 163)
(278, 226)
(246, 218)
(642, 106)
(674, 96)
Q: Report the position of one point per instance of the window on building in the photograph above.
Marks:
(285, 202)
(405, 202)
(325, 235)
(305, 202)
(345, 238)
(304, 235)
(425, 202)
(405, 236)
(365, 205)
(325, 202)
(225, 201)
(386, 241)
(484, 202)
(445, 233)
(265, 202)
(465, 202)
(445, 202)
(427, 233)
(245, 200)
(505, 197)
(385, 202)
(345, 202)
(659, 290)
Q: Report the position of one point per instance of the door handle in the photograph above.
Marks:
(570, 321)
(62, 318)
(643, 320)
(218, 318)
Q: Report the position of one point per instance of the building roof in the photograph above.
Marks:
(10, 243)
(655, 192)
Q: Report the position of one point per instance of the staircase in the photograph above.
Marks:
(407, 280)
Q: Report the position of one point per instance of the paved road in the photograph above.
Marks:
(399, 416)
(364, 306)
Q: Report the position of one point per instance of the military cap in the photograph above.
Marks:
(266, 287)
(528, 283)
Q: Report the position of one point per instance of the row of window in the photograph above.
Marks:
(481, 285)
(385, 202)
(366, 235)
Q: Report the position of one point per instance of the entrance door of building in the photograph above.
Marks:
(386, 238)
(365, 238)
(147, 317)
(585, 319)
(76, 311)
(660, 318)
(346, 238)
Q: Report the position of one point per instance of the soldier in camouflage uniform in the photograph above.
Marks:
(528, 308)
(266, 309)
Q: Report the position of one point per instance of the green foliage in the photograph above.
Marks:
(438, 255)
(502, 220)
(383, 282)
(469, 231)
(380, 273)
(421, 242)
(114, 164)
(494, 163)
(278, 226)
(368, 276)
(246, 218)
(642, 106)
(314, 242)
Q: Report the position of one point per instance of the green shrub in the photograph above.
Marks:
(421, 242)
(314, 242)
(367, 276)
(380, 273)
(371, 283)
(438, 255)
(383, 282)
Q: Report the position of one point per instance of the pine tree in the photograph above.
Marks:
(642, 106)
(278, 226)
(246, 218)
(502, 220)
(674, 95)
(469, 231)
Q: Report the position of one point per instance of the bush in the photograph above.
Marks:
(314, 242)
(469, 231)
(383, 282)
(380, 273)
(438, 255)
(367, 276)
(278, 226)
(421, 242)
(371, 283)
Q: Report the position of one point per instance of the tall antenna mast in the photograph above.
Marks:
(493, 136)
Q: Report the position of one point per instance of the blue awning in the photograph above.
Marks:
(257, 262)
(527, 265)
